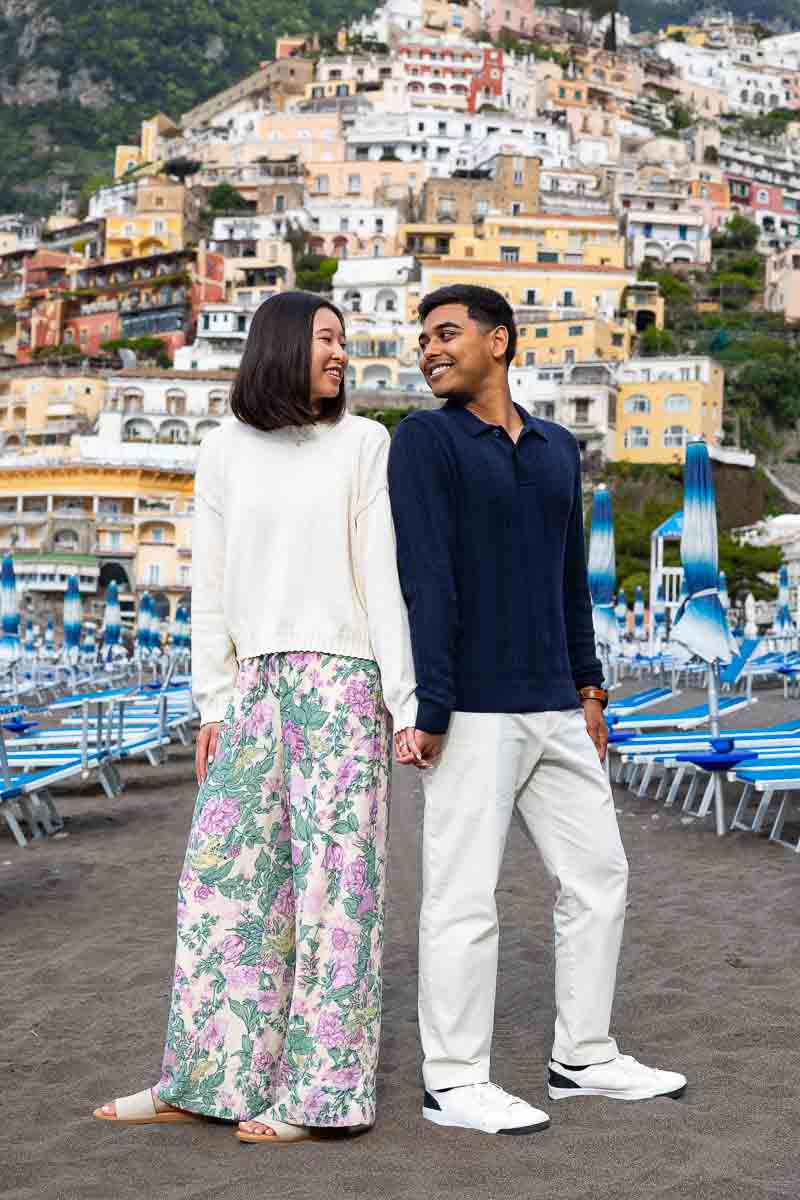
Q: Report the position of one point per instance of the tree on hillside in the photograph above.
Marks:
(181, 168)
(655, 342)
(224, 198)
(738, 234)
(771, 384)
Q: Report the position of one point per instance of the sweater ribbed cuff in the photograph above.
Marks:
(432, 718)
(213, 709)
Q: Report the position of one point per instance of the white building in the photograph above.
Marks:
(222, 331)
(581, 397)
(352, 228)
(375, 286)
(118, 200)
(751, 88)
(172, 408)
(392, 19)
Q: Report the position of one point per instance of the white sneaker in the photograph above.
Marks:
(621, 1079)
(485, 1107)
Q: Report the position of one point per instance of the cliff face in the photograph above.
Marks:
(77, 79)
(656, 14)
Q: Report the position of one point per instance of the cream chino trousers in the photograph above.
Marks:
(546, 766)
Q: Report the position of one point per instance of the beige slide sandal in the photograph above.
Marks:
(141, 1110)
(282, 1133)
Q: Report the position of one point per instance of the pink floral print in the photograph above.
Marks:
(276, 1000)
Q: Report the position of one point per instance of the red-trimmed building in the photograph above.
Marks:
(85, 305)
(472, 73)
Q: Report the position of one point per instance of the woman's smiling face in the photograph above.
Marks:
(328, 356)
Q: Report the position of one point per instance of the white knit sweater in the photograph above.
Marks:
(293, 549)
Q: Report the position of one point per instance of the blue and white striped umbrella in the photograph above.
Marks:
(29, 649)
(143, 626)
(621, 612)
(180, 630)
(783, 625)
(49, 637)
(111, 625)
(603, 570)
(700, 625)
(89, 647)
(639, 628)
(659, 610)
(9, 610)
(155, 631)
(724, 598)
(72, 620)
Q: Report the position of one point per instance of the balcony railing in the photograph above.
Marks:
(114, 518)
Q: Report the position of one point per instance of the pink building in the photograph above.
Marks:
(516, 16)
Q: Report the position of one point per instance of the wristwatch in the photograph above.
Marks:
(594, 693)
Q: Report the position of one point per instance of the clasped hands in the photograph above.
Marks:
(415, 748)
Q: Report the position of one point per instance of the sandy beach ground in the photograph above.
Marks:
(709, 985)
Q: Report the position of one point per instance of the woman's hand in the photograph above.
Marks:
(417, 749)
(206, 749)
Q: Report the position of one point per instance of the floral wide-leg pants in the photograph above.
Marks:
(276, 1000)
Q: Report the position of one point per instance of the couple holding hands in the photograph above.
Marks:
(344, 587)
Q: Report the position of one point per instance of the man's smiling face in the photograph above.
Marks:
(456, 351)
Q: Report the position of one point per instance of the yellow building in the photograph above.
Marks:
(451, 18)
(545, 238)
(157, 137)
(157, 225)
(563, 337)
(595, 289)
(383, 354)
(664, 403)
(121, 521)
(41, 406)
(689, 34)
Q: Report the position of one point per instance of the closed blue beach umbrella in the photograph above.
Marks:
(659, 613)
(783, 625)
(155, 631)
(111, 623)
(724, 598)
(701, 625)
(29, 648)
(180, 636)
(639, 630)
(9, 611)
(72, 620)
(49, 637)
(621, 611)
(143, 625)
(89, 647)
(603, 570)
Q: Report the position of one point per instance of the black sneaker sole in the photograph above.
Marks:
(526, 1129)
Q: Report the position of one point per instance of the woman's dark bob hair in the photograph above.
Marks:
(272, 388)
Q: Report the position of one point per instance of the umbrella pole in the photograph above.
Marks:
(713, 709)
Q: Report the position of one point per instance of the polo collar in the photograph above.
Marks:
(475, 427)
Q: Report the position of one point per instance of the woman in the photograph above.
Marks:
(300, 643)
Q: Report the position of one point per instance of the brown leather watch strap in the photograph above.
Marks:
(594, 693)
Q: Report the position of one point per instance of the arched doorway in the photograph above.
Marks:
(113, 570)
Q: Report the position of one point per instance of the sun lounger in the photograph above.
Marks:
(686, 718)
(773, 782)
(640, 701)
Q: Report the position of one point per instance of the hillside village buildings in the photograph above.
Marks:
(427, 145)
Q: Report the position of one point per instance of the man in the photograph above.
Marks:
(487, 508)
